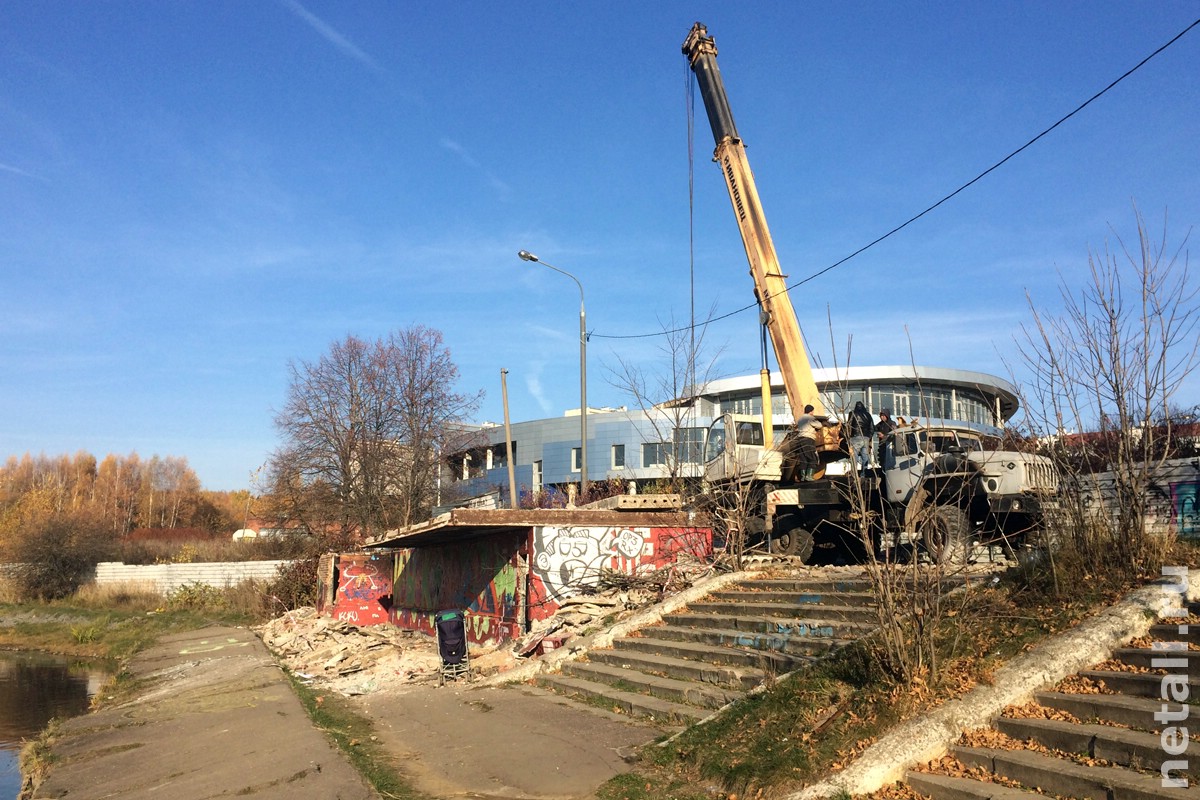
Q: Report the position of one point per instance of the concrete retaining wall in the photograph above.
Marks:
(167, 577)
(1173, 497)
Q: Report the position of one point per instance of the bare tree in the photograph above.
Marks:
(667, 395)
(1101, 373)
(363, 429)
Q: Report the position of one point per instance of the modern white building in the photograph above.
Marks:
(647, 444)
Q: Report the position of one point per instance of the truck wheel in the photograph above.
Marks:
(793, 540)
(946, 536)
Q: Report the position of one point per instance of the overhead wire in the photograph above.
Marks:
(708, 321)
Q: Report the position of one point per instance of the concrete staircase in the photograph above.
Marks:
(714, 652)
(1082, 743)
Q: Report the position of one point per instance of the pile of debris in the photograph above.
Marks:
(347, 658)
(354, 660)
(615, 597)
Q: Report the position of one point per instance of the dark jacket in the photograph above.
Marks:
(859, 422)
(884, 427)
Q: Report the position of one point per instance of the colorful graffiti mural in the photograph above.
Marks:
(364, 589)
(567, 560)
(497, 578)
(478, 576)
(1185, 508)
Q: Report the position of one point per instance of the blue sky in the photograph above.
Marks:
(194, 193)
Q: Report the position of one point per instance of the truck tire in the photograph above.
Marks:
(792, 539)
(946, 536)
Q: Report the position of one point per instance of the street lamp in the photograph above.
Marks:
(525, 255)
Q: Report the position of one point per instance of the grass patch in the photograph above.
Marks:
(817, 720)
(94, 633)
(355, 736)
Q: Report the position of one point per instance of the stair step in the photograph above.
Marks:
(1174, 632)
(1132, 712)
(705, 695)
(796, 627)
(1136, 749)
(743, 678)
(795, 598)
(1066, 778)
(731, 637)
(946, 787)
(1139, 684)
(854, 585)
(787, 610)
(1182, 660)
(641, 705)
(768, 661)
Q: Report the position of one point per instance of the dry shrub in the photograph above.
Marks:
(130, 595)
(59, 554)
(8, 591)
(154, 551)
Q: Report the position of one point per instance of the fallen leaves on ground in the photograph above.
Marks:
(1116, 665)
(897, 791)
(992, 739)
(1077, 684)
(1038, 711)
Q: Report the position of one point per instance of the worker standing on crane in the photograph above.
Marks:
(860, 428)
(807, 425)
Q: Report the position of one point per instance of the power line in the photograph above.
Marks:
(916, 217)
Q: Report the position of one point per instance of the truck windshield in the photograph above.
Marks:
(714, 440)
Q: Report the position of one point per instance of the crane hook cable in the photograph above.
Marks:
(913, 219)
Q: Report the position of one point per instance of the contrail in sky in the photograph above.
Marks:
(330, 35)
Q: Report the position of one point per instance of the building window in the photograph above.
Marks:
(537, 475)
(618, 456)
(689, 444)
(652, 454)
(575, 459)
(498, 455)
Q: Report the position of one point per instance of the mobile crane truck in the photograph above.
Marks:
(937, 485)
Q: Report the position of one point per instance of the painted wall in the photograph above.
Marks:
(495, 579)
(364, 589)
(479, 576)
(1172, 504)
(568, 560)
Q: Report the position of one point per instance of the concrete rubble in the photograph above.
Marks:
(356, 660)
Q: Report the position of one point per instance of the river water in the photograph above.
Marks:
(34, 688)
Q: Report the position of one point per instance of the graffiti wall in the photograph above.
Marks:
(1184, 508)
(1171, 498)
(497, 579)
(364, 589)
(566, 560)
(478, 576)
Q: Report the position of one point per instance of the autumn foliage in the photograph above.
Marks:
(61, 515)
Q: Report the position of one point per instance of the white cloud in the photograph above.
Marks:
(533, 384)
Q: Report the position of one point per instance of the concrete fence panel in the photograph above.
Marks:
(168, 577)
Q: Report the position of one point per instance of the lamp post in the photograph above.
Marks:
(525, 255)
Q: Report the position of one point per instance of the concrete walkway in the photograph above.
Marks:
(510, 743)
(217, 718)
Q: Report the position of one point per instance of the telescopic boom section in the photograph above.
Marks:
(770, 284)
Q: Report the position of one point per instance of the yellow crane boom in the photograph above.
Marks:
(770, 283)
